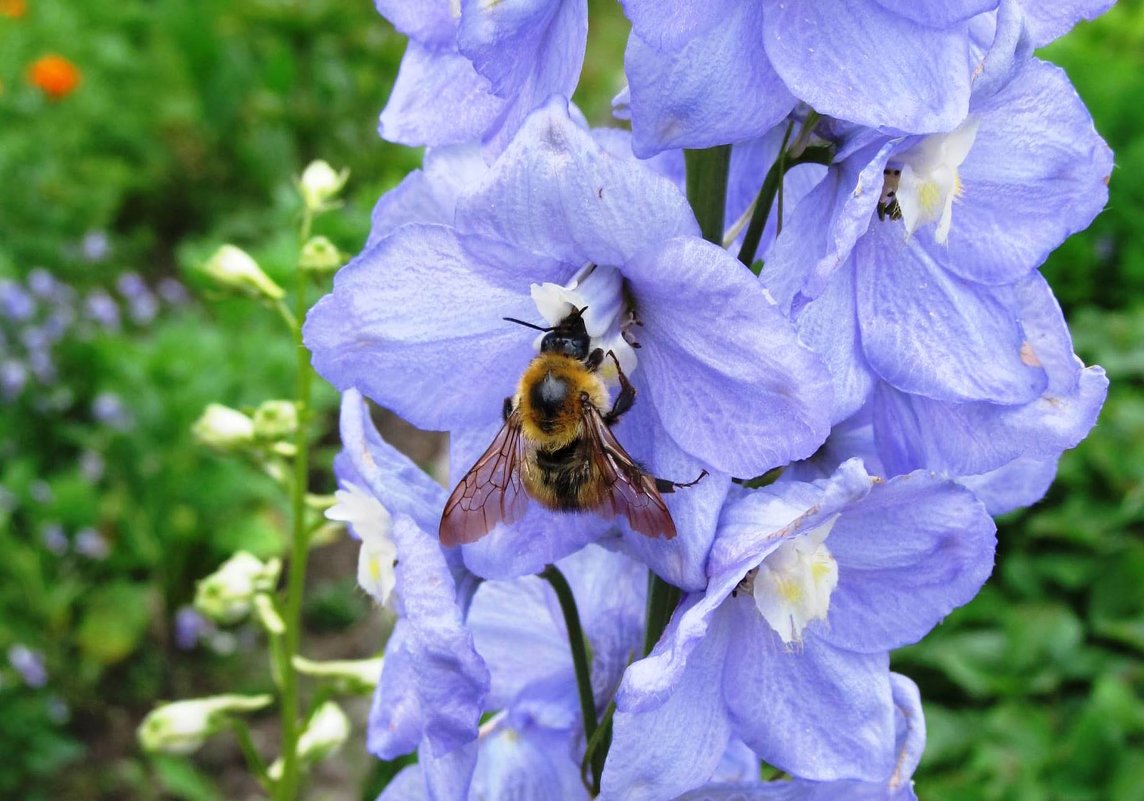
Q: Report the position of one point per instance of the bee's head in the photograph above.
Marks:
(569, 337)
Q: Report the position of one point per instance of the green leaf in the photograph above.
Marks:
(114, 621)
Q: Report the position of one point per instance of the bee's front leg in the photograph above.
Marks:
(625, 399)
(664, 485)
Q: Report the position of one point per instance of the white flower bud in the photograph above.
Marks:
(275, 419)
(181, 727)
(233, 268)
(223, 427)
(320, 183)
(268, 616)
(326, 732)
(320, 255)
(353, 676)
(226, 595)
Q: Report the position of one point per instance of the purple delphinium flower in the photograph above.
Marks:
(172, 292)
(703, 74)
(96, 246)
(54, 538)
(142, 305)
(473, 71)
(13, 378)
(811, 585)
(910, 734)
(189, 628)
(42, 284)
(102, 309)
(15, 302)
(29, 664)
(415, 322)
(921, 302)
(109, 409)
(433, 683)
(90, 543)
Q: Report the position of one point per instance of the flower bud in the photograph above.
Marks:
(183, 726)
(320, 255)
(268, 615)
(233, 268)
(275, 419)
(226, 595)
(327, 730)
(223, 428)
(320, 183)
(353, 676)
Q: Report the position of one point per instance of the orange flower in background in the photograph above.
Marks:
(54, 75)
(13, 8)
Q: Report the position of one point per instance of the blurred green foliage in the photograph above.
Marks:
(187, 125)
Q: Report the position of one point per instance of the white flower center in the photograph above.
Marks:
(371, 521)
(929, 182)
(599, 289)
(793, 584)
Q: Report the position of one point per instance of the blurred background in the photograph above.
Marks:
(137, 136)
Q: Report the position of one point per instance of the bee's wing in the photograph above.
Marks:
(490, 493)
(630, 491)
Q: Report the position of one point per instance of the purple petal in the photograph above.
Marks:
(533, 49)
(668, 26)
(816, 712)
(827, 51)
(400, 485)
(829, 325)
(908, 554)
(1038, 173)
(555, 191)
(428, 195)
(971, 438)
(715, 88)
(1020, 483)
(660, 753)
(396, 718)
(1049, 21)
(744, 402)
(407, 785)
(938, 13)
(448, 776)
(824, 226)
(449, 679)
(910, 724)
(415, 323)
(530, 765)
(437, 99)
(756, 522)
(429, 22)
(930, 333)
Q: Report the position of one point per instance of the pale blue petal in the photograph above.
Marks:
(814, 711)
(858, 61)
(523, 766)
(416, 324)
(938, 13)
(1020, 483)
(429, 22)
(715, 88)
(428, 195)
(400, 485)
(908, 554)
(668, 26)
(659, 753)
(555, 191)
(437, 99)
(743, 402)
(1049, 21)
(930, 333)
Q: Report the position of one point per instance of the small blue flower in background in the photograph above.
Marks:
(415, 323)
(474, 70)
(29, 663)
(788, 649)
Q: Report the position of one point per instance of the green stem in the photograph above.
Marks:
(662, 598)
(291, 728)
(579, 648)
(707, 188)
(819, 154)
(596, 751)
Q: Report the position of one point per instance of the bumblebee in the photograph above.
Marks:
(556, 447)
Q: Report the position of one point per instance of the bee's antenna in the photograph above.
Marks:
(526, 325)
